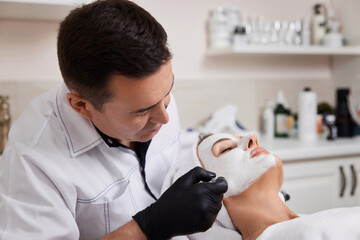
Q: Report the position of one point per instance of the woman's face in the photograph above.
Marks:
(239, 159)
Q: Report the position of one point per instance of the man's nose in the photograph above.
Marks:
(251, 142)
(160, 115)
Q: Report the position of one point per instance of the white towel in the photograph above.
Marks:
(332, 224)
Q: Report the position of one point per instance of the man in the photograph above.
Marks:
(88, 160)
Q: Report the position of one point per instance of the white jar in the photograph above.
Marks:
(333, 39)
(220, 36)
(307, 115)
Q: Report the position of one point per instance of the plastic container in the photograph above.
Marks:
(240, 37)
(280, 115)
(233, 19)
(4, 121)
(331, 127)
(306, 32)
(318, 24)
(220, 36)
(268, 120)
(333, 38)
(344, 121)
(307, 115)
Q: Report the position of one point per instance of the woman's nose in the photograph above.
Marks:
(251, 142)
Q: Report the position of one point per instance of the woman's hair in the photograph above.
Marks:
(108, 38)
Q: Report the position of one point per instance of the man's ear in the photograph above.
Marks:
(79, 104)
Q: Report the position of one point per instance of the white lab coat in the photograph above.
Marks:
(59, 180)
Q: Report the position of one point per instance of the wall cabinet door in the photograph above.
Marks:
(312, 186)
(352, 191)
(322, 184)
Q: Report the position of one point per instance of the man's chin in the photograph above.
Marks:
(147, 137)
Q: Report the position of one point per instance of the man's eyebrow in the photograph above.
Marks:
(152, 106)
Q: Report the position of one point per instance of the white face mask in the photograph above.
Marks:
(235, 165)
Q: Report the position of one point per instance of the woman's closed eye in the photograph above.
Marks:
(223, 146)
(226, 149)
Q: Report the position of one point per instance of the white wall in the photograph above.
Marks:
(28, 51)
(28, 61)
(347, 69)
(247, 81)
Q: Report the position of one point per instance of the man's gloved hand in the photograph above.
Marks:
(190, 205)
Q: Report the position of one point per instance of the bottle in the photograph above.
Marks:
(4, 121)
(307, 115)
(240, 38)
(344, 122)
(283, 32)
(331, 127)
(298, 30)
(306, 32)
(275, 32)
(290, 124)
(268, 120)
(290, 34)
(220, 37)
(281, 114)
(333, 38)
(233, 19)
(319, 124)
(318, 24)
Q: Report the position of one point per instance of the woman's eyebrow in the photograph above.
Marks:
(222, 140)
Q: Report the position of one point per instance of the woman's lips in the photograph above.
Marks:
(257, 152)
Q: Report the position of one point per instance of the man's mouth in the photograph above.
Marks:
(155, 129)
(258, 151)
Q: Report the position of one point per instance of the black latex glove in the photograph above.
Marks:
(190, 205)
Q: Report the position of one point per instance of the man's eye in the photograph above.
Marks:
(226, 149)
(142, 114)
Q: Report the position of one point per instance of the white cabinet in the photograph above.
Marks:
(316, 185)
(352, 190)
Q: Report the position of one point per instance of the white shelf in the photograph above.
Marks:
(285, 50)
(45, 10)
(293, 149)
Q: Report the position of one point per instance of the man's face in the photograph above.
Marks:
(239, 159)
(138, 107)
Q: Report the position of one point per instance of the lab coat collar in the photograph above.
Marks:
(81, 135)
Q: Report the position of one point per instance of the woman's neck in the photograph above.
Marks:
(252, 213)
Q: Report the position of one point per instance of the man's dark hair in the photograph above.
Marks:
(107, 38)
